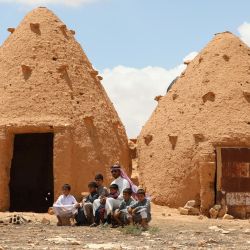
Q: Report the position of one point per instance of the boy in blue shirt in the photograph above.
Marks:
(141, 210)
(121, 215)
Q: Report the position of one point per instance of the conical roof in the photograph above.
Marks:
(44, 71)
(208, 105)
(46, 79)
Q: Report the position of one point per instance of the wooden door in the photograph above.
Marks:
(233, 180)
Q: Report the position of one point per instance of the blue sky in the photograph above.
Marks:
(137, 34)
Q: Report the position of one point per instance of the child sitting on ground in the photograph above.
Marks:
(85, 208)
(121, 215)
(101, 190)
(141, 210)
(65, 206)
(100, 212)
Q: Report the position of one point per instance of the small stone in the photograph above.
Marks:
(163, 214)
(51, 211)
(45, 221)
(212, 241)
(183, 211)
(75, 242)
(222, 211)
(193, 211)
(201, 217)
(202, 243)
(224, 231)
(217, 207)
(228, 217)
(213, 213)
(215, 228)
(247, 231)
(190, 203)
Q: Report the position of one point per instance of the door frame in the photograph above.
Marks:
(221, 194)
(62, 155)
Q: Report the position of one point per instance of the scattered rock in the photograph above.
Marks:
(228, 217)
(202, 243)
(45, 221)
(246, 231)
(217, 207)
(75, 242)
(213, 213)
(218, 229)
(193, 211)
(51, 211)
(224, 231)
(17, 219)
(183, 211)
(190, 203)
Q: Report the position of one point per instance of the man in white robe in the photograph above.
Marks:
(111, 203)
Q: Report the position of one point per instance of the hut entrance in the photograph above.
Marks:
(233, 180)
(31, 175)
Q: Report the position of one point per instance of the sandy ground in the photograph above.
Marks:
(169, 230)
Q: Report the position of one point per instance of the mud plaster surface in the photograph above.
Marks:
(208, 106)
(49, 85)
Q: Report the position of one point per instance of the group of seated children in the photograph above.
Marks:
(133, 209)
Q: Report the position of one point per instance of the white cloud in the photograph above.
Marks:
(190, 56)
(44, 2)
(133, 90)
(244, 31)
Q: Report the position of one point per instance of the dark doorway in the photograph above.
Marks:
(31, 175)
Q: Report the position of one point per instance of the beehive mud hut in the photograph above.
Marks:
(57, 124)
(196, 144)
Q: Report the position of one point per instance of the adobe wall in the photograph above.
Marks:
(207, 107)
(49, 85)
(73, 161)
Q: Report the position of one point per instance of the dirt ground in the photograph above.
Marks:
(169, 230)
